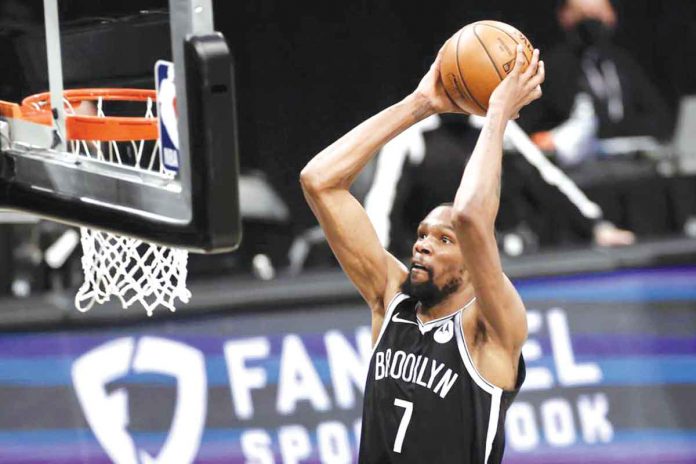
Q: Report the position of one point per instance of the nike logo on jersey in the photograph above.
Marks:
(396, 318)
(409, 368)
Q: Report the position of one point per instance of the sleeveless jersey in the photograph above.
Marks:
(425, 402)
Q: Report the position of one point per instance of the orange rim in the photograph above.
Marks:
(37, 108)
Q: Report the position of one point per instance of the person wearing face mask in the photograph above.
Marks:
(596, 98)
(594, 90)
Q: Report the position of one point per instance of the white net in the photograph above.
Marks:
(125, 267)
(131, 270)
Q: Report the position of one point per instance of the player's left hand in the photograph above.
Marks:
(519, 88)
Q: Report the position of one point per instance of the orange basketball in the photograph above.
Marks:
(476, 59)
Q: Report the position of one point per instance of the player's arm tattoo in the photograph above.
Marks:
(420, 113)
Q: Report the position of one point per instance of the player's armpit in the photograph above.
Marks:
(498, 302)
(375, 272)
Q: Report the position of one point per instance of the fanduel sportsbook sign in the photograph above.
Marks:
(609, 377)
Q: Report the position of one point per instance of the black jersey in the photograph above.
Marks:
(425, 402)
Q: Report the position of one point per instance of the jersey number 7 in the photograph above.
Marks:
(405, 419)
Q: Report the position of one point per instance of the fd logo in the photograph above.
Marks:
(106, 410)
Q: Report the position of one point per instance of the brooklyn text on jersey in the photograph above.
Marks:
(424, 399)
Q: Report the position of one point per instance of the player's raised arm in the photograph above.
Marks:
(327, 178)
(326, 181)
(476, 206)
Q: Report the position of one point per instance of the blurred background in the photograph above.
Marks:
(273, 343)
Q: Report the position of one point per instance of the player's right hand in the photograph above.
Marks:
(519, 88)
(432, 89)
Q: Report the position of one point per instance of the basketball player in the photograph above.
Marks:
(447, 331)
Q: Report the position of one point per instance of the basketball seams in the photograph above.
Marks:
(450, 96)
(507, 34)
(461, 76)
(495, 66)
(459, 71)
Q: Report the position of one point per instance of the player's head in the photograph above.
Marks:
(573, 12)
(437, 266)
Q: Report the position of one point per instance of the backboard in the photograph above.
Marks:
(191, 200)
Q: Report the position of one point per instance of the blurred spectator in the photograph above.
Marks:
(594, 89)
(604, 120)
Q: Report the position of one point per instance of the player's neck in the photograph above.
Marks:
(448, 306)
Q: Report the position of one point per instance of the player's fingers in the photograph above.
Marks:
(533, 66)
(537, 92)
(519, 61)
(534, 94)
(541, 72)
(539, 77)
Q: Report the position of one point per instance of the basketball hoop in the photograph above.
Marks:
(115, 265)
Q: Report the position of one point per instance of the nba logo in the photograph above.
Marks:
(166, 110)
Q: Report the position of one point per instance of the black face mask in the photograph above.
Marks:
(590, 33)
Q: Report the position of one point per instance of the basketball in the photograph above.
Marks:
(476, 59)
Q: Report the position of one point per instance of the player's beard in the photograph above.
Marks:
(427, 292)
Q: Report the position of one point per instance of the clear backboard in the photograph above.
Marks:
(185, 195)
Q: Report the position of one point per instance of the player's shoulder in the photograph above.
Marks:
(507, 299)
(396, 274)
(398, 300)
